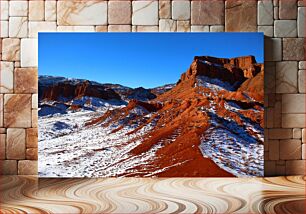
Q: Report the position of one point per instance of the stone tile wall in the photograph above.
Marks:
(282, 21)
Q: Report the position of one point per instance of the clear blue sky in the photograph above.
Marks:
(137, 59)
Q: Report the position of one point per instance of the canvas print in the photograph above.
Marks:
(151, 104)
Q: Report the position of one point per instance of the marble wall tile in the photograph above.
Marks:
(293, 49)
(287, 9)
(216, 28)
(2, 146)
(207, 12)
(147, 28)
(286, 77)
(4, 29)
(18, 8)
(180, 10)
(183, 26)
(36, 10)
(167, 25)
(145, 13)
(101, 28)
(119, 28)
(285, 28)
(15, 144)
(29, 53)
(34, 101)
(91, 12)
(265, 12)
(32, 154)
(76, 28)
(280, 134)
(241, 15)
(36, 26)
(267, 30)
(293, 103)
(11, 49)
(50, 10)
(274, 147)
(119, 12)
(301, 81)
(18, 27)
(199, 28)
(25, 80)
(165, 9)
(295, 167)
(301, 21)
(31, 138)
(1, 110)
(297, 133)
(17, 110)
(27, 167)
(290, 149)
(6, 77)
(4, 10)
(8, 167)
(293, 120)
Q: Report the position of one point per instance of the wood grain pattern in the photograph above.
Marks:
(149, 195)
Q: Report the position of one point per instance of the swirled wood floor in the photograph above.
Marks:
(140, 195)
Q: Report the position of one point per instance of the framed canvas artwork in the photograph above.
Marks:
(151, 104)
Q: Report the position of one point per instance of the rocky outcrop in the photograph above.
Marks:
(66, 90)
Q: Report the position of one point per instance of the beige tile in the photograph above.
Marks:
(180, 10)
(286, 77)
(18, 27)
(297, 133)
(269, 85)
(36, 27)
(280, 133)
(199, 28)
(266, 30)
(32, 154)
(8, 167)
(35, 101)
(265, 12)
(301, 22)
(304, 135)
(32, 138)
(165, 9)
(303, 151)
(293, 103)
(207, 12)
(183, 26)
(285, 28)
(241, 15)
(101, 28)
(119, 28)
(6, 77)
(293, 49)
(301, 81)
(167, 25)
(216, 28)
(17, 110)
(15, 144)
(2, 146)
(34, 118)
(26, 80)
(145, 13)
(119, 12)
(287, 9)
(4, 29)
(290, 149)
(29, 52)
(36, 10)
(50, 10)
(302, 65)
(295, 167)
(27, 167)
(18, 8)
(11, 49)
(4, 9)
(75, 28)
(1, 110)
(293, 120)
(147, 28)
(91, 12)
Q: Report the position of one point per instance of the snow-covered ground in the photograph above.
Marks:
(69, 149)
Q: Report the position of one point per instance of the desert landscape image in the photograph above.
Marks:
(126, 107)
